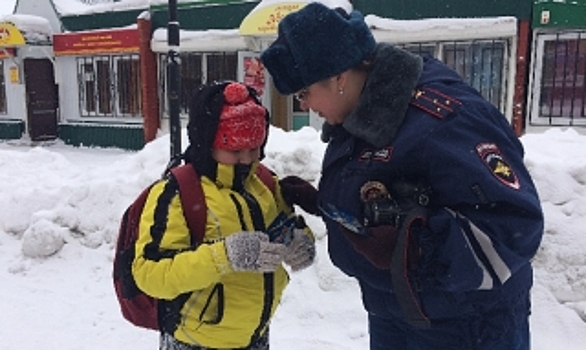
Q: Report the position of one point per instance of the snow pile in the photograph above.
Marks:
(62, 206)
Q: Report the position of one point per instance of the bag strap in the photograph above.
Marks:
(403, 284)
(266, 176)
(193, 198)
(192, 201)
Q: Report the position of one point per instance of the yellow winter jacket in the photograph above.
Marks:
(206, 302)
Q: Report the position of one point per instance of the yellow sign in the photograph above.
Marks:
(10, 35)
(14, 76)
(265, 20)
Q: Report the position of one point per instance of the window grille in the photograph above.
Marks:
(482, 64)
(109, 86)
(127, 81)
(197, 69)
(558, 89)
(221, 66)
(191, 78)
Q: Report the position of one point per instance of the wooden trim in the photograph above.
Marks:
(149, 86)
(520, 92)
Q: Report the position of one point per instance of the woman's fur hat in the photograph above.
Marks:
(316, 43)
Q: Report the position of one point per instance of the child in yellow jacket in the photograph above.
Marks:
(223, 293)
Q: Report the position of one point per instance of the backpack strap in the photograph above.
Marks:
(192, 201)
(193, 198)
(266, 176)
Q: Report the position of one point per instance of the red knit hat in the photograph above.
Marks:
(242, 120)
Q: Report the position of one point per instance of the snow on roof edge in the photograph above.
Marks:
(383, 29)
(35, 29)
(77, 8)
(432, 29)
(200, 40)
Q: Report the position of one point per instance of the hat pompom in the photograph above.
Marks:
(235, 93)
(242, 123)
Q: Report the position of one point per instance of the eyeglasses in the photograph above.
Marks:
(301, 95)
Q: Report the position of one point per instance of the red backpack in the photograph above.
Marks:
(137, 307)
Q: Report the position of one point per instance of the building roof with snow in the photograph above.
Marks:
(35, 30)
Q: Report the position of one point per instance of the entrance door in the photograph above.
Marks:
(41, 99)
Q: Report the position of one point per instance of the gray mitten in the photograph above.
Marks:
(301, 251)
(252, 251)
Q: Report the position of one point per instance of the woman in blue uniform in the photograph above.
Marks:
(434, 174)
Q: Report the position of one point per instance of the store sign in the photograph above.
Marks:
(98, 42)
(6, 52)
(265, 20)
(10, 35)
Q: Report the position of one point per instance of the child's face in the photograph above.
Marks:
(243, 156)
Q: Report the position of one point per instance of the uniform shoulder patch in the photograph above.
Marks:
(434, 102)
(492, 157)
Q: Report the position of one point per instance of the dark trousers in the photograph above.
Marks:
(396, 335)
(168, 342)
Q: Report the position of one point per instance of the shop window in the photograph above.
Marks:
(3, 107)
(104, 84)
(559, 91)
(221, 66)
(128, 82)
(191, 78)
(482, 65)
(197, 69)
(109, 86)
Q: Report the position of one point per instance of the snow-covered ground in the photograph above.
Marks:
(69, 200)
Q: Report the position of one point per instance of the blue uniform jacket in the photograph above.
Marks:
(484, 220)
